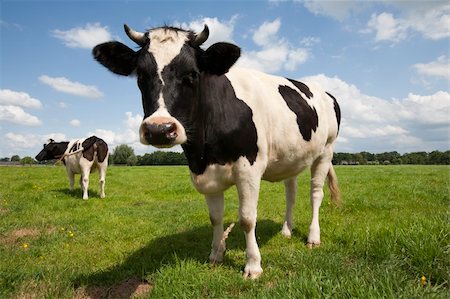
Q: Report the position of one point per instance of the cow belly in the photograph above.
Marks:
(215, 179)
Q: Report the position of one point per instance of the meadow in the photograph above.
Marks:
(150, 237)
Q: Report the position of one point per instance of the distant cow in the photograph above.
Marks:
(80, 156)
(236, 126)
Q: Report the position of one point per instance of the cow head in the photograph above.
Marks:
(168, 66)
(52, 150)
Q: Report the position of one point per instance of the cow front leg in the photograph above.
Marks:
(215, 206)
(319, 172)
(290, 186)
(248, 189)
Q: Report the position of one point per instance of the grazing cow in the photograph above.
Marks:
(235, 125)
(80, 156)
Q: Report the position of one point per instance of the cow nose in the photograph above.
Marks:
(160, 134)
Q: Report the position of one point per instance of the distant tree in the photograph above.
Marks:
(437, 157)
(15, 158)
(27, 160)
(132, 160)
(122, 154)
(5, 159)
(418, 158)
(162, 158)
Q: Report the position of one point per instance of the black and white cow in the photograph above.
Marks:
(235, 125)
(80, 156)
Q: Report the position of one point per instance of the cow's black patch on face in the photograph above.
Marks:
(337, 110)
(148, 81)
(53, 150)
(307, 118)
(303, 88)
(224, 129)
(181, 85)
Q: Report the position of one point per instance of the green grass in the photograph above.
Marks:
(392, 229)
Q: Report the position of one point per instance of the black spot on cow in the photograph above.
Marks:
(223, 130)
(94, 145)
(307, 118)
(337, 109)
(303, 88)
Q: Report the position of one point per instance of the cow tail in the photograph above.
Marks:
(333, 185)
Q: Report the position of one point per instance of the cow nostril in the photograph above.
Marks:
(163, 133)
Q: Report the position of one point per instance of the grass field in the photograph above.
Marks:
(150, 237)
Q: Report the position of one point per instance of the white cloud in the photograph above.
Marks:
(438, 68)
(19, 142)
(17, 115)
(18, 98)
(387, 28)
(310, 41)
(429, 18)
(128, 135)
(219, 31)
(65, 85)
(413, 123)
(62, 105)
(84, 37)
(425, 110)
(75, 123)
(275, 53)
(267, 32)
(336, 9)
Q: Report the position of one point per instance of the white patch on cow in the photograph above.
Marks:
(165, 45)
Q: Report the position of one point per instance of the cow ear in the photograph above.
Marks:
(116, 57)
(218, 58)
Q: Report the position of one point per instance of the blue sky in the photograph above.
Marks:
(387, 63)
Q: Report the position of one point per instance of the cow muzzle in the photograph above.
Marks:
(163, 132)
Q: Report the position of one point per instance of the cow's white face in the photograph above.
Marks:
(169, 67)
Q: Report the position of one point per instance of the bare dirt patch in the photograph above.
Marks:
(131, 288)
(18, 234)
(24, 233)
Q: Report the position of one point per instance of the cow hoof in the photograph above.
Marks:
(216, 257)
(85, 198)
(286, 231)
(252, 272)
(312, 245)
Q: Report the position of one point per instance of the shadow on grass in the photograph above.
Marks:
(194, 244)
(77, 193)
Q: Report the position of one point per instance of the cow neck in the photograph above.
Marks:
(222, 126)
(61, 148)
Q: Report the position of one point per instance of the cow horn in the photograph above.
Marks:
(201, 37)
(138, 37)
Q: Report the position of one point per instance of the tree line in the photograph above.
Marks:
(416, 158)
(124, 155)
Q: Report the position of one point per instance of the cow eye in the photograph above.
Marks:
(190, 78)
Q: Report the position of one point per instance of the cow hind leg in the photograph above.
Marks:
(102, 173)
(84, 180)
(291, 193)
(319, 172)
(71, 176)
(215, 206)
